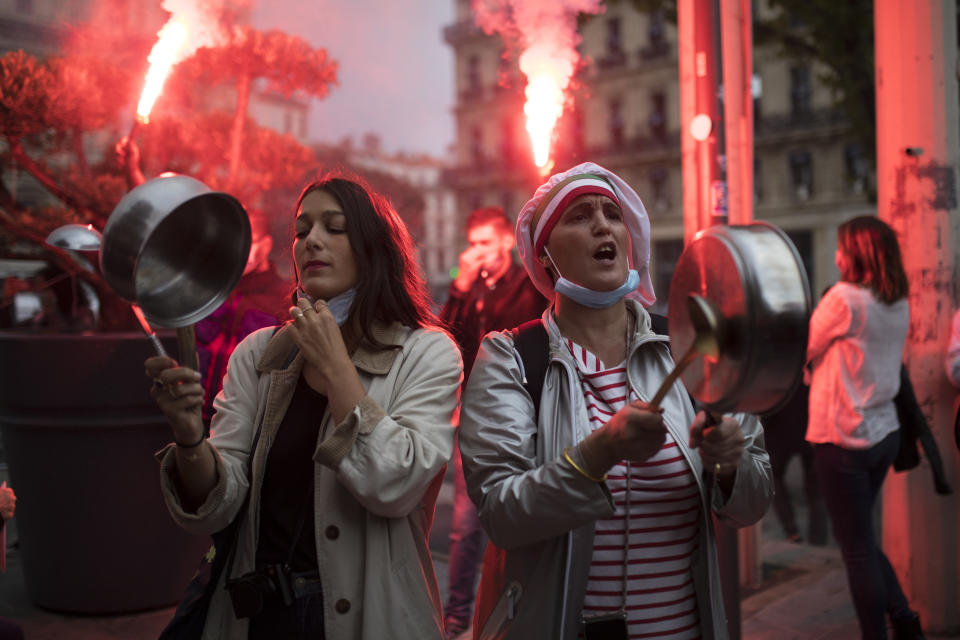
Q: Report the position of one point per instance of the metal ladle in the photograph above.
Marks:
(706, 324)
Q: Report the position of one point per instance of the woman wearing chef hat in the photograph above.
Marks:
(599, 507)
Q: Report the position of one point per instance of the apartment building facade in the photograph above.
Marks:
(624, 114)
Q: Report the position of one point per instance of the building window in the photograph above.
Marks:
(658, 190)
(476, 145)
(614, 55)
(617, 133)
(663, 262)
(614, 43)
(855, 161)
(303, 125)
(506, 201)
(476, 200)
(800, 91)
(287, 122)
(656, 45)
(756, 90)
(655, 30)
(801, 174)
(505, 70)
(507, 155)
(658, 116)
(473, 76)
(757, 179)
(569, 144)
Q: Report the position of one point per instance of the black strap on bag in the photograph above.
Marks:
(533, 344)
(912, 422)
(914, 428)
(191, 613)
(956, 429)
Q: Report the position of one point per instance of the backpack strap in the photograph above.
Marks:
(659, 324)
(532, 343)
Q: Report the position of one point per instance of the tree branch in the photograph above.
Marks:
(43, 177)
(236, 136)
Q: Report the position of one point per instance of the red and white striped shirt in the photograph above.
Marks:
(664, 512)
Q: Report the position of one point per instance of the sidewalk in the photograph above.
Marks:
(803, 595)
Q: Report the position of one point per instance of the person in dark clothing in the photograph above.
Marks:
(785, 430)
(259, 300)
(491, 293)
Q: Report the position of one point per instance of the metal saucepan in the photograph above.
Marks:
(175, 248)
(752, 281)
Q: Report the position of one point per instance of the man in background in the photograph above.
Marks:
(491, 293)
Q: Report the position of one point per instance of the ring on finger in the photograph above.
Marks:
(716, 468)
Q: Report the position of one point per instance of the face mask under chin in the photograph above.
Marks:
(589, 297)
(339, 304)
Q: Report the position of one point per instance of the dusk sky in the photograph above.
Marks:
(395, 70)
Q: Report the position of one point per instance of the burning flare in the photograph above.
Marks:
(191, 25)
(162, 58)
(546, 33)
(543, 107)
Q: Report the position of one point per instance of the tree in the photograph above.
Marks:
(286, 63)
(59, 120)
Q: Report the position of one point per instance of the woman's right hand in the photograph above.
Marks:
(179, 394)
(635, 433)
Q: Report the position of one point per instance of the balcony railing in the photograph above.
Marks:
(772, 125)
(460, 31)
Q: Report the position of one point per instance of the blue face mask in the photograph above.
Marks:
(589, 297)
(339, 305)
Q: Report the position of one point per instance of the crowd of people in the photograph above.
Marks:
(321, 435)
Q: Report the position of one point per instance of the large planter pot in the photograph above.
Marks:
(80, 432)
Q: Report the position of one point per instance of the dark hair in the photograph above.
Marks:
(489, 215)
(873, 257)
(390, 286)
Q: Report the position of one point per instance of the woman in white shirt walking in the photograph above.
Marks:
(857, 333)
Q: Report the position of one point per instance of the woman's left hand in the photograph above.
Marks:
(315, 332)
(720, 445)
(329, 369)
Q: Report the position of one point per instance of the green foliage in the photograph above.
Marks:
(838, 36)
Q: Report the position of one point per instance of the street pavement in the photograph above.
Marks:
(802, 594)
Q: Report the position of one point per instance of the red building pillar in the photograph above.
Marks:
(918, 152)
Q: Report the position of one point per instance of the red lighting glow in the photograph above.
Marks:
(545, 33)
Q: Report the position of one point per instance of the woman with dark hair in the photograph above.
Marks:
(857, 333)
(347, 411)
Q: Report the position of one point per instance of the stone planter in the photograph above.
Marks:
(80, 431)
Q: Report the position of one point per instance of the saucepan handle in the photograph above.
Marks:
(187, 344)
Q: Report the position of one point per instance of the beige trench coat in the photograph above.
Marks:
(376, 479)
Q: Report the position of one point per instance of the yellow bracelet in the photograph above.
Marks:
(566, 454)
